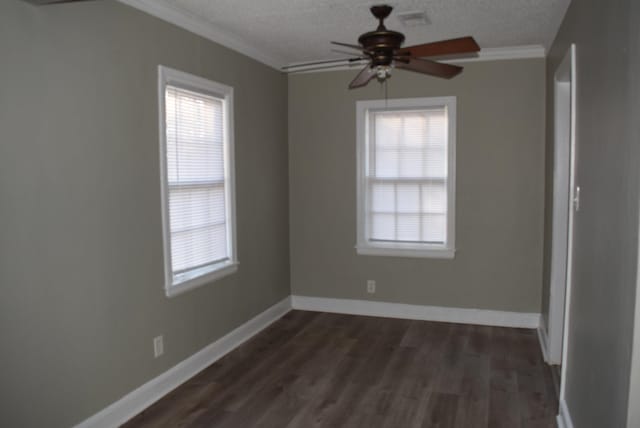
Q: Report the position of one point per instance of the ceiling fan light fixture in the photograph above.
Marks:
(383, 72)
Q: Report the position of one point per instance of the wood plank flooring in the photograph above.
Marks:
(311, 370)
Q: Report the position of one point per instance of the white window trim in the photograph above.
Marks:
(366, 247)
(169, 76)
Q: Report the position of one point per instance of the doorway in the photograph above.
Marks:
(566, 202)
(562, 220)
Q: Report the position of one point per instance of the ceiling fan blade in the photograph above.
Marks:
(347, 45)
(329, 61)
(365, 75)
(45, 2)
(427, 66)
(443, 47)
(319, 67)
(340, 51)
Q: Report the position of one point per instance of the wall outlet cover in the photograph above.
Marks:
(371, 286)
(158, 346)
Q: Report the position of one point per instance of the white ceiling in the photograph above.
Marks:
(293, 31)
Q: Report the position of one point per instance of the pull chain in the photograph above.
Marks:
(386, 97)
(385, 88)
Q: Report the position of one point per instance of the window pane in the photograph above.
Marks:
(415, 130)
(190, 208)
(383, 227)
(196, 179)
(434, 198)
(196, 247)
(437, 128)
(194, 137)
(383, 197)
(435, 162)
(386, 163)
(407, 175)
(411, 163)
(388, 130)
(409, 143)
(408, 198)
(434, 228)
(408, 227)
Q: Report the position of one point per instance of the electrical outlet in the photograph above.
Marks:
(158, 346)
(371, 286)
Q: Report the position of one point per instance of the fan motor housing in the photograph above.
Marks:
(381, 45)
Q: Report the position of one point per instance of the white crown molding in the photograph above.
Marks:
(506, 53)
(302, 69)
(564, 417)
(204, 28)
(138, 400)
(417, 312)
(486, 54)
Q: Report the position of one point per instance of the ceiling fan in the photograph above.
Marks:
(383, 49)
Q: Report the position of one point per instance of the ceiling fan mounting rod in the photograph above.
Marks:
(382, 43)
(381, 12)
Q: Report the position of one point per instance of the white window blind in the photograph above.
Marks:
(405, 184)
(197, 193)
(407, 176)
(195, 173)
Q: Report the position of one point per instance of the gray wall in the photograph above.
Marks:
(500, 190)
(606, 227)
(81, 273)
(634, 53)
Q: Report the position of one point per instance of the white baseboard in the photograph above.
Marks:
(544, 340)
(564, 417)
(147, 394)
(417, 312)
(141, 398)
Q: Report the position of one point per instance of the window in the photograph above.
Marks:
(196, 146)
(406, 177)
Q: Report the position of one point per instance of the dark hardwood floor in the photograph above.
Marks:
(327, 370)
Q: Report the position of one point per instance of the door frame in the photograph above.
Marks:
(565, 91)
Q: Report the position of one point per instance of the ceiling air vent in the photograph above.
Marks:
(413, 19)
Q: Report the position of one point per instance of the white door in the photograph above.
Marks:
(565, 203)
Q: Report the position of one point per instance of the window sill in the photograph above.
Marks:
(223, 270)
(403, 251)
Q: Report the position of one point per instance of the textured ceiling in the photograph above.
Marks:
(291, 31)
